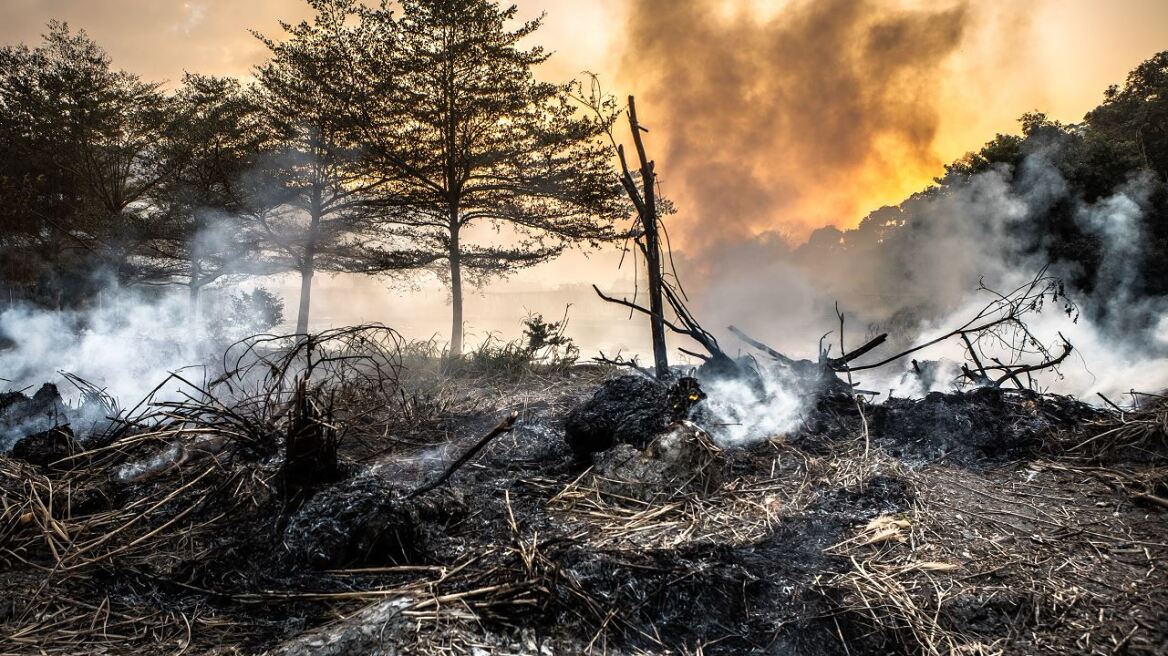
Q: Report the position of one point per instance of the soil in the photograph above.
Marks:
(985, 522)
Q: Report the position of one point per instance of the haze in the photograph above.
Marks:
(781, 167)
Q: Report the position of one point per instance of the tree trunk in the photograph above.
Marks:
(308, 264)
(193, 289)
(193, 298)
(656, 307)
(455, 286)
(306, 272)
(648, 213)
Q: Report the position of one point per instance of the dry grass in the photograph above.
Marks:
(741, 512)
(1054, 565)
(1142, 431)
(1062, 555)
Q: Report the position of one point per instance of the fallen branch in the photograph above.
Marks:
(841, 363)
(760, 346)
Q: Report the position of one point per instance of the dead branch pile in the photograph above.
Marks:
(158, 493)
(1140, 433)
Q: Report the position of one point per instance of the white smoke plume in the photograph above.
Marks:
(924, 281)
(127, 344)
(743, 414)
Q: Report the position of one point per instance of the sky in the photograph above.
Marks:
(766, 116)
(998, 59)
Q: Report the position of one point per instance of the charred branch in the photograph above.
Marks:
(621, 361)
(840, 363)
(686, 325)
(504, 426)
(835, 364)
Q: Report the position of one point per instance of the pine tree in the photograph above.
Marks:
(315, 187)
(466, 137)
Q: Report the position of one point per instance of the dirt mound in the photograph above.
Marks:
(629, 410)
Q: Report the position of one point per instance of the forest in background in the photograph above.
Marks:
(349, 152)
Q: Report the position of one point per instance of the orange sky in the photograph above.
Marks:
(1012, 56)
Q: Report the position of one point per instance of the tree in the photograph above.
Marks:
(249, 313)
(83, 137)
(200, 232)
(1137, 113)
(464, 136)
(314, 187)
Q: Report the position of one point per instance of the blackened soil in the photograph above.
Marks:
(969, 428)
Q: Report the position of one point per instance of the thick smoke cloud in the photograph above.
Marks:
(771, 129)
(126, 345)
(808, 117)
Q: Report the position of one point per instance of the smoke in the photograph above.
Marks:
(742, 413)
(779, 125)
(915, 270)
(126, 344)
(804, 118)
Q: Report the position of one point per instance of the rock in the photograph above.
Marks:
(629, 410)
(42, 449)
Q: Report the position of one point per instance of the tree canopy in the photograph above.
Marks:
(78, 159)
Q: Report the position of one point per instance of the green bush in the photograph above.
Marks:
(543, 346)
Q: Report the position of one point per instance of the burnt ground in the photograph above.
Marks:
(977, 523)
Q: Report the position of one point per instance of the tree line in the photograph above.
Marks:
(370, 141)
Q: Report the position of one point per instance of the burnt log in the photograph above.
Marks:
(629, 410)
